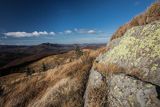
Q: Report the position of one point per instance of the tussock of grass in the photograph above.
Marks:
(108, 68)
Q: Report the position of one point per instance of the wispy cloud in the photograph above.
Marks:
(28, 34)
(68, 31)
(91, 32)
(87, 31)
(52, 33)
(45, 33)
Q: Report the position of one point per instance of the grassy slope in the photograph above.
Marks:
(63, 85)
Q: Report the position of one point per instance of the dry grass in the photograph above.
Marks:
(97, 96)
(11, 78)
(68, 85)
(154, 10)
(96, 53)
(152, 14)
(63, 85)
(19, 94)
(108, 68)
(53, 61)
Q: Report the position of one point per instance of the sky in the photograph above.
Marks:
(31, 22)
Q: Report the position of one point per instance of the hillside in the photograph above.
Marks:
(13, 58)
(126, 73)
(63, 85)
(9, 54)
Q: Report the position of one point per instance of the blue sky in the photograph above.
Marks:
(27, 22)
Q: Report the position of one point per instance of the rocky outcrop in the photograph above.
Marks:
(131, 70)
(138, 53)
(96, 94)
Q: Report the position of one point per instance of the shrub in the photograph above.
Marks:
(44, 67)
(29, 71)
(78, 51)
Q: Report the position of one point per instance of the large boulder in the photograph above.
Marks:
(138, 52)
(129, 72)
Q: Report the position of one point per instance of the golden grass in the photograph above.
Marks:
(108, 68)
(53, 61)
(63, 85)
(68, 85)
(154, 10)
(151, 14)
(19, 94)
(97, 96)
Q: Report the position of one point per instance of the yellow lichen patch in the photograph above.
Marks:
(135, 47)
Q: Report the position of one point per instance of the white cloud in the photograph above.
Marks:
(68, 32)
(80, 31)
(92, 32)
(17, 34)
(86, 31)
(45, 33)
(28, 34)
(52, 33)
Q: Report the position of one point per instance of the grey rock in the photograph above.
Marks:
(126, 91)
(96, 91)
(139, 48)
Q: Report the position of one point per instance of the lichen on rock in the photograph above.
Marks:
(138, 48)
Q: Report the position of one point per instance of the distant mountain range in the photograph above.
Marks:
(14, 55)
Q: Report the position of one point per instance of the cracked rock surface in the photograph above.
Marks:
(126, 91)
(138, 83)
